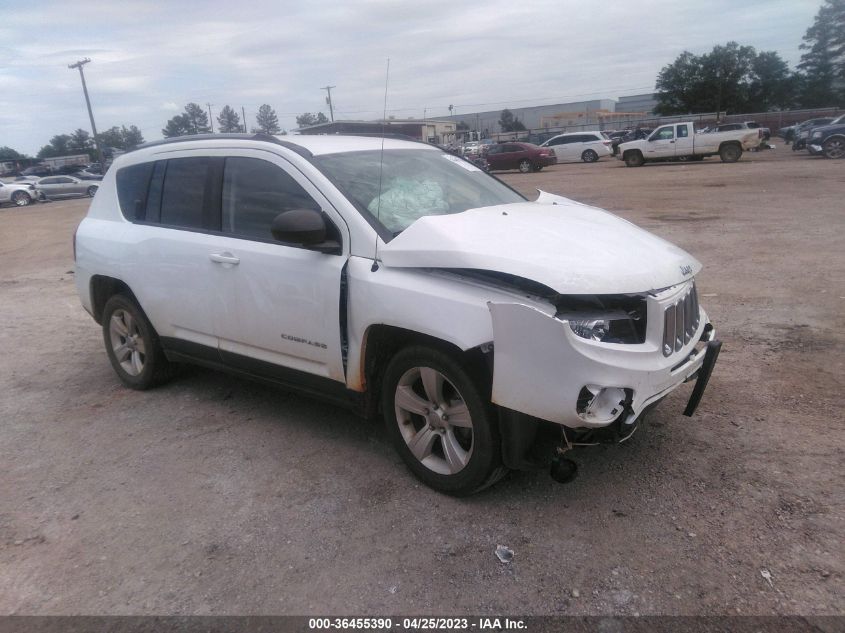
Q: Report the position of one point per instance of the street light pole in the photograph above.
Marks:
(79, 66)
(328, 89)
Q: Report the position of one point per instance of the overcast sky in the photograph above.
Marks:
(150, 58)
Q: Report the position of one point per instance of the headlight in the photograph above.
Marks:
(604, 318)
(592, 329)
(622, 329)
(817, 134)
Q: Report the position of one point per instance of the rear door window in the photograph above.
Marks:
(184, 194)
(683, 131)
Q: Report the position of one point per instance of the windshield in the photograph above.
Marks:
(414, 183)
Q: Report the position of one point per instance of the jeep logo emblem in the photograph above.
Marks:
(686, 270)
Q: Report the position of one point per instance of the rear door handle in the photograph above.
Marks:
(224, 258)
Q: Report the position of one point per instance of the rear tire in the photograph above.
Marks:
(92, 191)
(133, 346)
(730, 153)
(589, 156)
(634, 159)
(525, 166)
(441, 421)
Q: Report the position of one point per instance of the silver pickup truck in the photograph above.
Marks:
(679, 141)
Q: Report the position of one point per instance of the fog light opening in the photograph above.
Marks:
(600, 404)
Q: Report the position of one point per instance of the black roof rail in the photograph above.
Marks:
(257, 136)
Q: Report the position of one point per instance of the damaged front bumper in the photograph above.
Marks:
(544, 370)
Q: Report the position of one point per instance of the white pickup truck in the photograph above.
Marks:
(678, 141)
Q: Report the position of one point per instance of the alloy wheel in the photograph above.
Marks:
(127, 342)
(434, 420)
(834, 148)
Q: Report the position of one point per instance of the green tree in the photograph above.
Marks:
(730, 78)
(193, 120)
(772, 85)
(121, 137)
(822, 66)
(80, 141)
(132, 136)
(508, 122)
(267, 120)
(111, 137)
(59, 146)
(7, 153)
(306, 119)
(229, 120)
(197, 119)
(180, 125)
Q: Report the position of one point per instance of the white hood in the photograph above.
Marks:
(568, 246)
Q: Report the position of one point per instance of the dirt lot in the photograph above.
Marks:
(216, 495)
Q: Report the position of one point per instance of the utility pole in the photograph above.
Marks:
(328, 89)
(79, 66)
(210, 119)
(243, 112)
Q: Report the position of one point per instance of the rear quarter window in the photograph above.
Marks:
(132, 185)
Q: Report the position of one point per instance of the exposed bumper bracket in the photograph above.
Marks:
(704, 372)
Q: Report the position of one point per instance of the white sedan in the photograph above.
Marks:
(20, 194)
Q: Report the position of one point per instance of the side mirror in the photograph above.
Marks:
(305, 228)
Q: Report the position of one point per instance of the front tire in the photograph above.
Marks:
(730, 153)
(441, 422)
(92, 191)
(589, 156)
(834, 148)
(132, 345)
(634, 159)
(21, 198)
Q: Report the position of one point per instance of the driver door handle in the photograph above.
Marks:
(224, 258)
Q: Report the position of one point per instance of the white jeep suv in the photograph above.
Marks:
(389, 275)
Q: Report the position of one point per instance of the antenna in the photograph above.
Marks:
(381, 163)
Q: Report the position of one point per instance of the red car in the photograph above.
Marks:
(525, 157)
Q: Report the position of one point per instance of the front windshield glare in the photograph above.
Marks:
(414, 183)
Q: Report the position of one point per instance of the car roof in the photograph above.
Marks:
(304, 144)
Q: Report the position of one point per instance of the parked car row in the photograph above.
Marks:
(40, 171)
(24, 192)
(820, 137)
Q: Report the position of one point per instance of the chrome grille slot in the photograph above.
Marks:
(680, 322)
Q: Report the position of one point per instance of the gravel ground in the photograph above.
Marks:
(215, 495)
